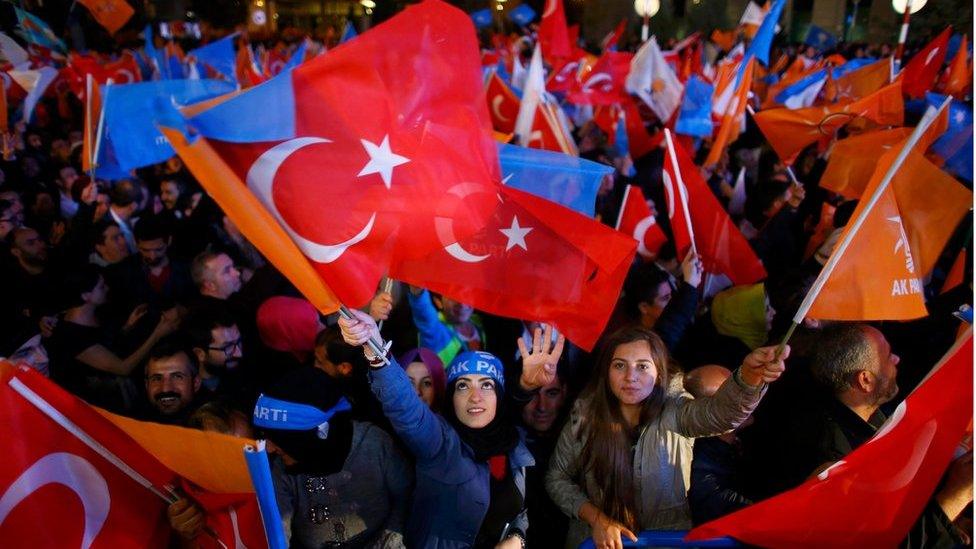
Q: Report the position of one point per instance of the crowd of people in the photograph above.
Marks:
(141, 297)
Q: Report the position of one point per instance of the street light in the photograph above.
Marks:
(899, 5)
(646, 9)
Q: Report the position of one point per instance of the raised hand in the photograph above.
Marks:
(539, 363)
(763, 366)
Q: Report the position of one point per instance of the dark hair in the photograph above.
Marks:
(79, 280)
(607, 438)
(641, 287)
(842, 350)
(216, 413)
(173, 345)
(198, 267)
(125, 193)
(151, 228)
(97, 232)
(198, 326)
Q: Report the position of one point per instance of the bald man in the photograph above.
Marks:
(715, 472)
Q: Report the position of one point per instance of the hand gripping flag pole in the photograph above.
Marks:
(374, 345)
(856, 223)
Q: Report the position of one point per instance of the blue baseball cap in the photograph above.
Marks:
(476, 363)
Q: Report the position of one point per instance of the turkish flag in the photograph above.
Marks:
(124, 70)
(789, 131)
(563, 76)
(535, 260)
(372, 144)
(50, 474)
(872, 497)
(553, 32)
(640, 142)
(637, 220)
(920, 73)
(503, 104)
(604, 83)
(719, 243)
(880, 275)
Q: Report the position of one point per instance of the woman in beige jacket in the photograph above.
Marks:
(623, 461)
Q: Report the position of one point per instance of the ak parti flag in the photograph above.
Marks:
(880, 275)
(854, 159)
(789, 131)
(719, 242)
(637, 220)
(920, 73)
(858, 83)
(534, 260)
(873, 496)
(409, 155)
(111, 14)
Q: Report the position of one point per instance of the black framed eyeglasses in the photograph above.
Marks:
(228, 347)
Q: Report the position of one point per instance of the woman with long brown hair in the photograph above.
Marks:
(623, 462)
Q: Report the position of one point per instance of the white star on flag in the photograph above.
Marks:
(381, 160)
(515, 235)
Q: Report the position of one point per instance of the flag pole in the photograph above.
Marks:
(373, 345)
(856, 223)
(680, 190)
(903, 35)
(387, 288)
(88, 126)
(101, 126)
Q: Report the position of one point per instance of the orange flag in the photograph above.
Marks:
(93, 109)
(960, 72)
(252, 218)
(790, 131)
(860, 83)
(879, 276)
(724, 39)
(787, 81)
(956, 273)
(853, 160)
(732, 117)
(111, 14)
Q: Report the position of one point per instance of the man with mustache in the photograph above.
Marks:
(173, 384)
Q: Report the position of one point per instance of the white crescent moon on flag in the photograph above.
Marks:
(640, 231)
(73, 472)
(445, 228)
(495, 103)
(564, 73)
(260, 180)
(596, 78)
(550, 9)
(129, 77)
(668, 192)
(931, 55)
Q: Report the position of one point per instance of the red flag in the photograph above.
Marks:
(393, 152)
(503, 104)
(637, 220)
(604, 84)
(611, 40)
(718, 241)
(548, 132)
(921, 71)
(535, 260)
(564, 76)
(553, 32)
(959, 77)
(639, 140)
(872, 497)
(111, 14)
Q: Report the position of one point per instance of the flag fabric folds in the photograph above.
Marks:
(804, 92)
(955, 146)
(129, 116)
(852, 81)
(522, 15)
(481, 18)
(636, 219)
(111, 14)
(959, 78)
(566, 180)
(880, 275)
(553, 32)
(653, 80)
(37, 32)
(872, 497)
(732, 115)
(853, 160)
(790, 131)
(695, 118)
(219, 56)
(534, 260)
(719, 243)
(503, 104)
(819, 38)
(759, 47)
(392, 166)
(919, 74)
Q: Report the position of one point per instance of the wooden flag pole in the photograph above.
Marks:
(856, 223)
(680, 188)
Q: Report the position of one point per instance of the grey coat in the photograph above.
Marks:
(662, 459)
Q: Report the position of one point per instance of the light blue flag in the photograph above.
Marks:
(522, 15)
(955, 146)
(759, 47)
(567, 180)
(297, 57)
(819, 38)
(36, 31)
(348, 33)
(219, 56)
(157, 58)
(852, 66)
(621, 143)
(481, 18)
(131, 111)
(695, 117)
(804, 91)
